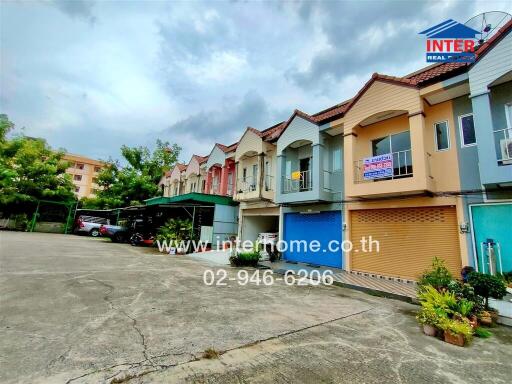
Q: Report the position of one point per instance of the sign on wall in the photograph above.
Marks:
(378, 167)
(296, 175)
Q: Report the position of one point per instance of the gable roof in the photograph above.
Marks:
(418, 79)
(450, 29)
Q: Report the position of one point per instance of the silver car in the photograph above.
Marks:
(90, 225)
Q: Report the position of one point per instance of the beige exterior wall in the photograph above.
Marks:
(252, 150)
(444, 165)
(86, 186)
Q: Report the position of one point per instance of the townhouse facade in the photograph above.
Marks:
(255, 164)
(444, 135)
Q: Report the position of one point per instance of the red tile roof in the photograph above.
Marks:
(182, 167)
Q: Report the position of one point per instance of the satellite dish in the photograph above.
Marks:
(488, 23)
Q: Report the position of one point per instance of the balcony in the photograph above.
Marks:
(302, 183)
(269, 183)
(246, 185)
(503, 143)
(215, 189)
(402, 168)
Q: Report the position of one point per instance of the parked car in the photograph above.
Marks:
(116, 233)
(90, 225)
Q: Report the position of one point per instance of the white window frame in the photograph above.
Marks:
(448, 135)
(508, 114)
(462, 144)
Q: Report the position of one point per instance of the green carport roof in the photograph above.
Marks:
(192, 197)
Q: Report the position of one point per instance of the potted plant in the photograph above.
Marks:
(487, 286)
(429, 318)
(456, 332)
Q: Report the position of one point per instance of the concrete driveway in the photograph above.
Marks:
(77, 309)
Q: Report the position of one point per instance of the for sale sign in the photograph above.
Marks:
(378, 167)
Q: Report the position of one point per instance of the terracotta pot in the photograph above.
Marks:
(455, 339)
(486, 320)
(473, 321)
(429, 330)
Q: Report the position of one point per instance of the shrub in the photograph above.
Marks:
(430, 315)
(211, 353)
(487, 286)
(245, 259)
(466, 291)
(175, 230)
(444, 301)
(464, 307)
(438, 277)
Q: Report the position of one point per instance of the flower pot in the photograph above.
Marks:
(429, 330)
(455, 339)
(473, 321)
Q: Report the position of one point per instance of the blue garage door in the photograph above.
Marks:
(492, 221)
(324, 227)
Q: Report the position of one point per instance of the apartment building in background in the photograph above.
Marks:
(84, 172)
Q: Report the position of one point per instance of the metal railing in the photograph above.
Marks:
(503, 140)
(302, 184)
(269, 183)
(247, 184)
(402, 167)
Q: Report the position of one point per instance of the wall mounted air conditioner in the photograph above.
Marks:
(506, 151)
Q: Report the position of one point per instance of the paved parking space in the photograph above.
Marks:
(77, 309)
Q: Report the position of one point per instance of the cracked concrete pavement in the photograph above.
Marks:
(77, 309)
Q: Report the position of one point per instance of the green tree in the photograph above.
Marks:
(30, 170)
(136, 182)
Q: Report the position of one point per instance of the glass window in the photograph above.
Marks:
(78, 177)
(467, 130)
(288, 170)
(442, 136)
(336, 159)
(381, 146)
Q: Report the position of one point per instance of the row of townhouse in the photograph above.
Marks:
(447, 129)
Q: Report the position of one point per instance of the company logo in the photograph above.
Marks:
(450, 42)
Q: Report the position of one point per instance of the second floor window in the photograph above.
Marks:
(77, 177)
(467, 130)
(79, 166)
(399, 145)
(336, 159)
(442, 136)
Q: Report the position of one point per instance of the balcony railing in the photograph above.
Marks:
(269, 183)
(503, 140)
(402, 167)
(302, 184)
(245, 185)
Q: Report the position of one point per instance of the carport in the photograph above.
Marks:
(214, 218)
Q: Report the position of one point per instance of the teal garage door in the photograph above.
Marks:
(323, 227)
(493, 221)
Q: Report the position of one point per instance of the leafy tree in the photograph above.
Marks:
(136, 182)
(30, 170)
(487, 286)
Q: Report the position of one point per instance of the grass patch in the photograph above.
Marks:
(482, 333)
(211, 353)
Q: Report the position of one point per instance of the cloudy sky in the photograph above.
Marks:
(91, 75)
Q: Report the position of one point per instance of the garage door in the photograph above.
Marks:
(409, 238)
(323, 227)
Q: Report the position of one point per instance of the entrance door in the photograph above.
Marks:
(493, 221)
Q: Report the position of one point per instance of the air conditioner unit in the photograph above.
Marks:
(506, 151)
